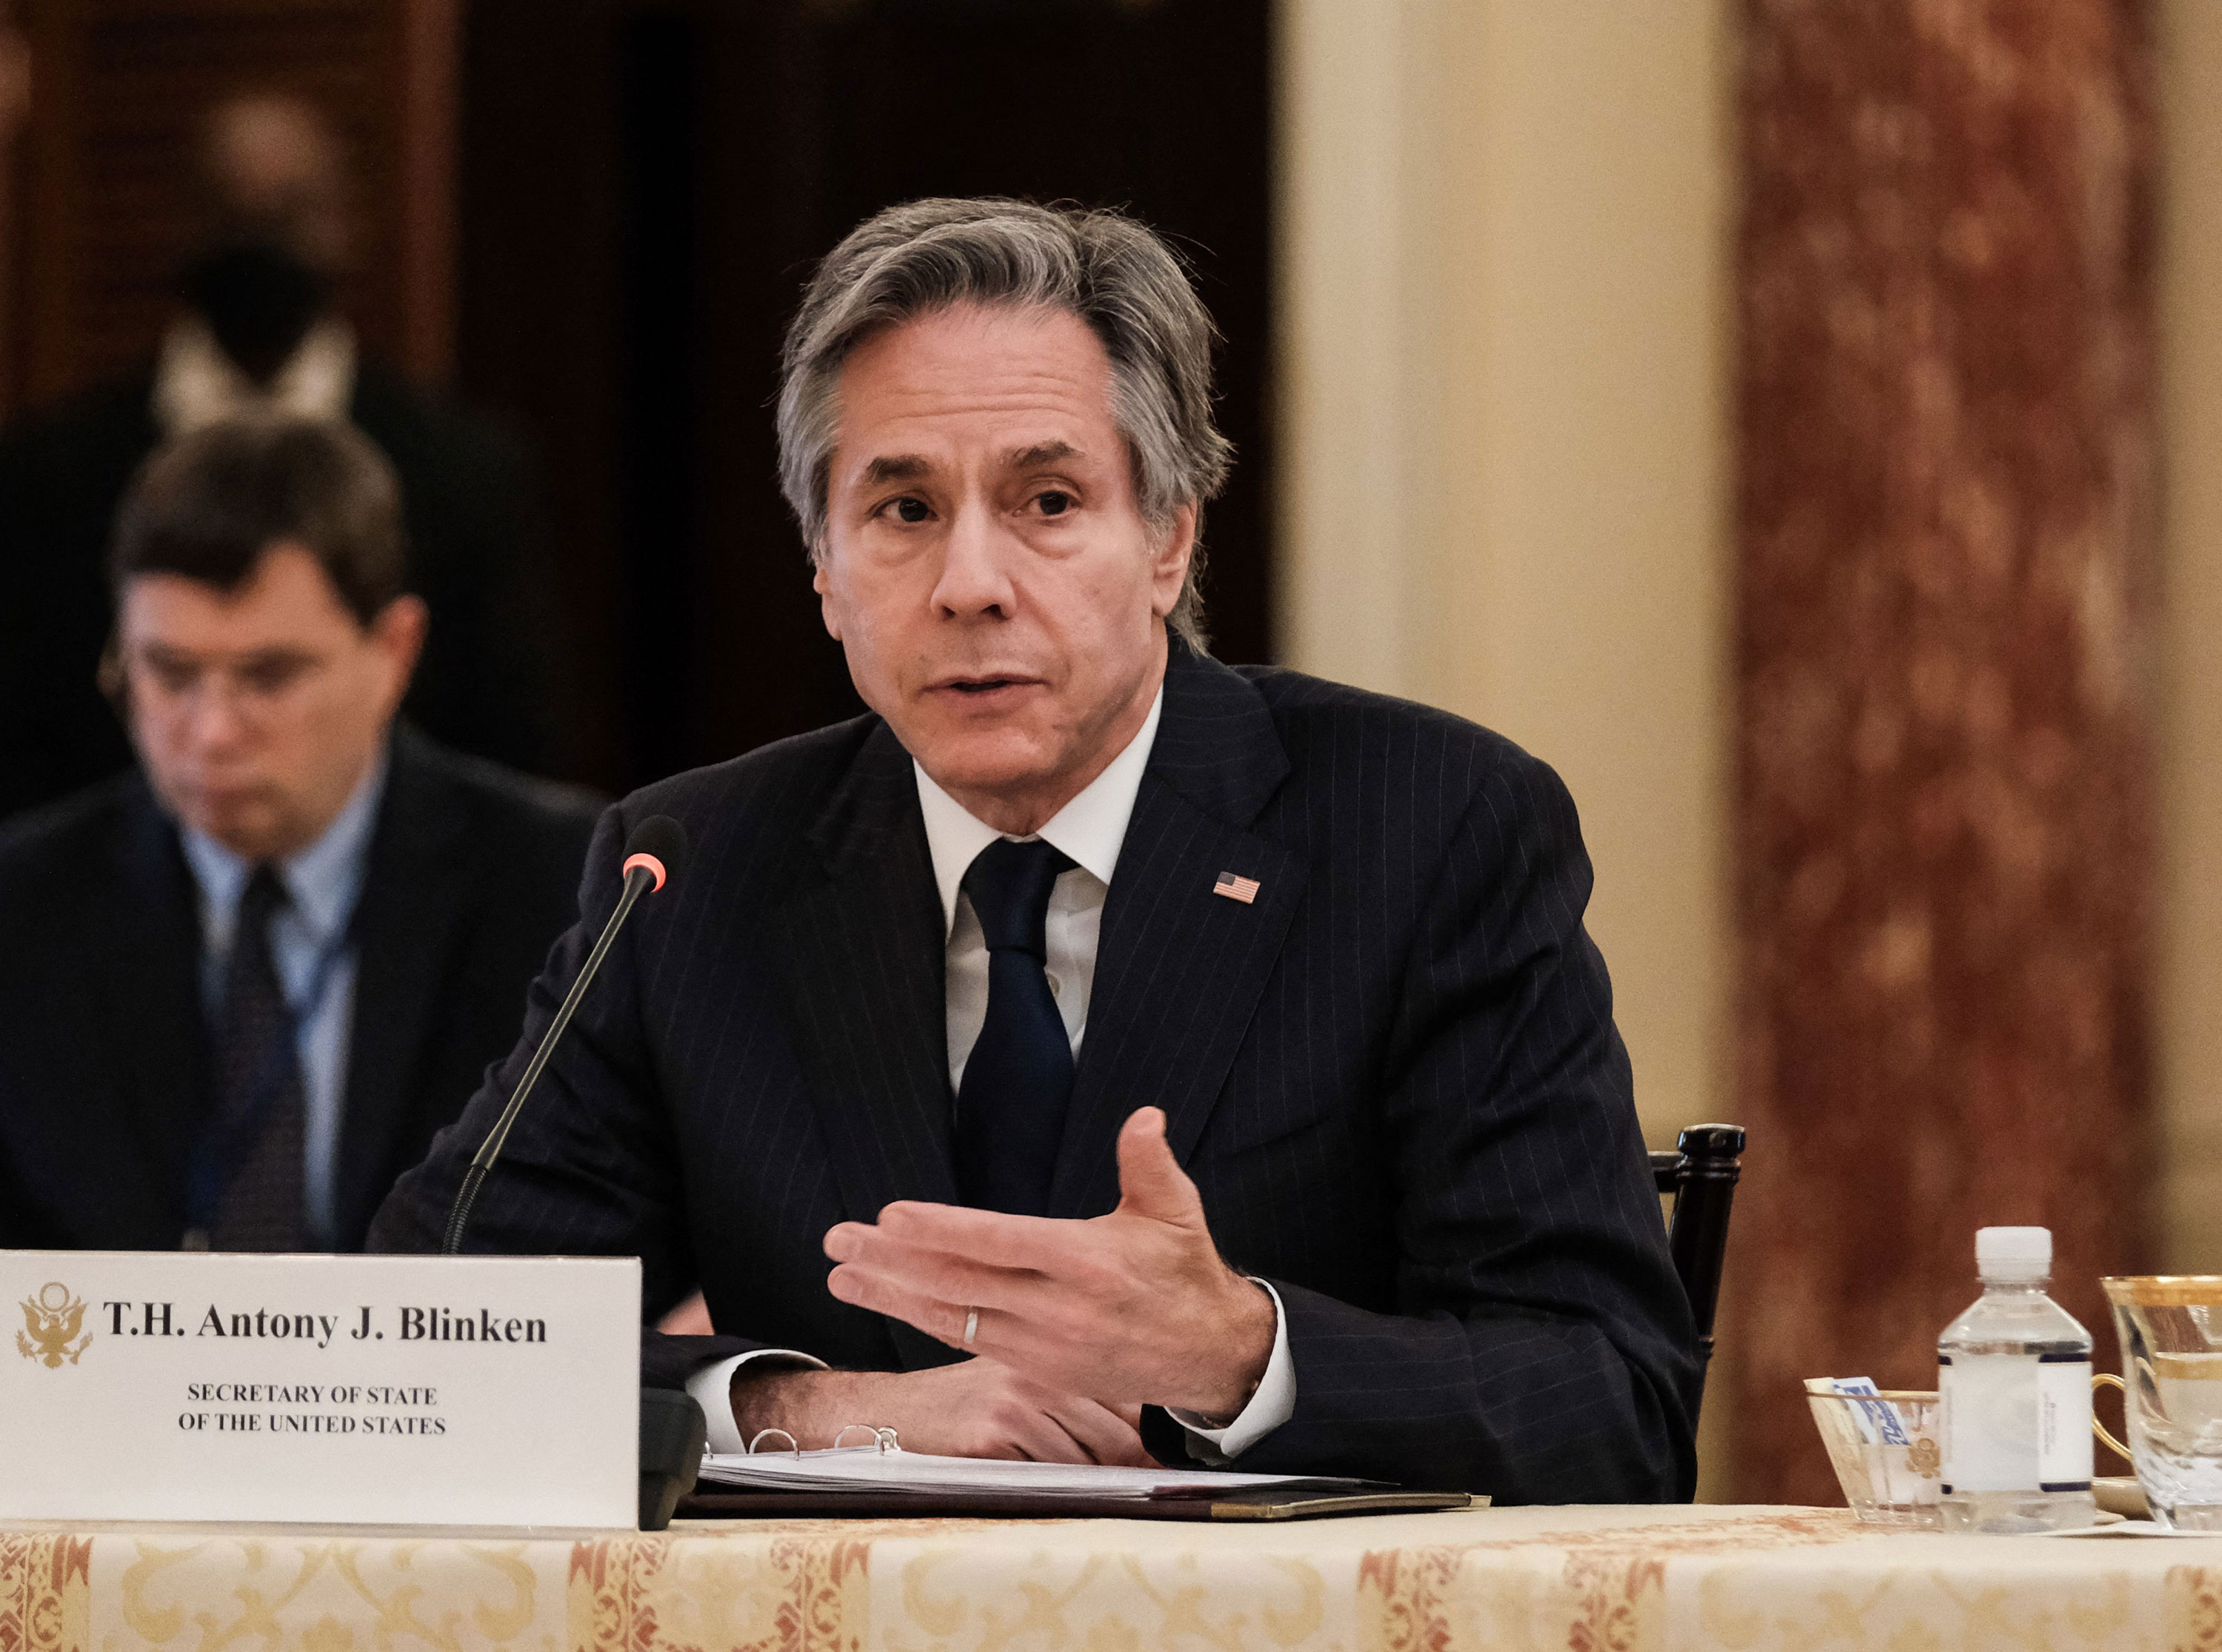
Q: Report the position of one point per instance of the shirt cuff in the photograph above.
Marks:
(1274, 1402)
(711, 1388)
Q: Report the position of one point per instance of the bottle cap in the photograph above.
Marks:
(2013, 1253)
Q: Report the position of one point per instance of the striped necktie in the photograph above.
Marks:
(262, 1108)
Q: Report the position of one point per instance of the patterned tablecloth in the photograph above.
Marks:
(1592, 1580)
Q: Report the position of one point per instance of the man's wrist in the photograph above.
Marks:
(809, 1406)
(1272, 1404)
(1251, 1326)
(711, 1388)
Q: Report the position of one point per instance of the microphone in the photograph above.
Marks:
(655, 854)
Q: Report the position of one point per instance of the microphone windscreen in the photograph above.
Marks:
(662, 839)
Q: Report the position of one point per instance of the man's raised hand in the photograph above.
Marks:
(1134, 1307)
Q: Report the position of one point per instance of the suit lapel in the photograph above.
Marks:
(1179, 968)
(151, 963)
(415, 891)
(861, 955)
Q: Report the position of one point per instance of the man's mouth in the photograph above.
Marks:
(981, 686)
(224, 799)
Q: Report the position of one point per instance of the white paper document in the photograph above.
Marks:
(2127, 1529)
(869, 1468)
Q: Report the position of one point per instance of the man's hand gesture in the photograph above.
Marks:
(1135, 1307)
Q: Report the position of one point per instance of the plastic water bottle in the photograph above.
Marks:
(2015, 1375)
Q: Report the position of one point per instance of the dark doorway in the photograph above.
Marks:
(644, 187)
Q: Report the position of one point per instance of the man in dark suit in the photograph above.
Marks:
(259, 330)
(241, 990)
(1224, 1043)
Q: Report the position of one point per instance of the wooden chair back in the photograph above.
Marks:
(1701, 1179)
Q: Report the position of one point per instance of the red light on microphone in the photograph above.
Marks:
(657, 845)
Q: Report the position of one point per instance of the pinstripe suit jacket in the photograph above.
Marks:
(1394, 1078)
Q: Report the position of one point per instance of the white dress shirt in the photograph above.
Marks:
(308, 940)
(196, 383)
(1089, 831)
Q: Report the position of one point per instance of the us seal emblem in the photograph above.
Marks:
(53, 1318)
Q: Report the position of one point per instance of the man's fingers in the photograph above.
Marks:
(1043, 1438)
(1151, 1182)
(940, 1277)
(986, 1237)
(934, 1316)
(941, 1317)
(1107, 1438)
(1010, 1339)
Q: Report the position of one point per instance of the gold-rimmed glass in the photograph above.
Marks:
(1886, 1482)
(2170, 1327)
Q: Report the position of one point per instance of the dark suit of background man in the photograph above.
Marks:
(1085, 962)
(240, 993)
(259, 329)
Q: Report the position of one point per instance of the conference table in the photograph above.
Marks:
(1588, 1579)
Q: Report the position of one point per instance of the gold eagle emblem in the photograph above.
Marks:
(53, 1318)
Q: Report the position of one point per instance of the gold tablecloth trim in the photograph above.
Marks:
(1538, 1580)
(1611, 1587)
(807, 1594)
(45, 1589)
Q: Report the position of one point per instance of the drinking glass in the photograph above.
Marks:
(2171, 1332)
(1887, 1482)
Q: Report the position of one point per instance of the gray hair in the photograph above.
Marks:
(1114, 273)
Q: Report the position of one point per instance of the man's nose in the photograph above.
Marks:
(215, 720)
(975, 575)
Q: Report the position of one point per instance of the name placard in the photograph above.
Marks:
(346, 1390)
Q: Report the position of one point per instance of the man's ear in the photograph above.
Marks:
(1169, 565)
(822, 585)
(397, 635)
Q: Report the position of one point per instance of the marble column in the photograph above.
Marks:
(1945, 503)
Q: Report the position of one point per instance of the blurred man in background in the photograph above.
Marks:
(241, 991)
(260, 330)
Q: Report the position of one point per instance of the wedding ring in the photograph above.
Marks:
(971, 1324)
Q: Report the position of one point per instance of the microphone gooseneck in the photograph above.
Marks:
(655, 853)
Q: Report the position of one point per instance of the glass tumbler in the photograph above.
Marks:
(2171, 1330)
(1887, 1450)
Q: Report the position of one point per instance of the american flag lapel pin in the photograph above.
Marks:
(1242, 889)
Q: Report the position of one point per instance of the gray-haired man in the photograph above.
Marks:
(1128, 1030)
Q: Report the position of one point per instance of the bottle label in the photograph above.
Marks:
(2063, 1405)
(2016, 1421)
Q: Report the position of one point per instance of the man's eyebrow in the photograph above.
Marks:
(164, 653)
(1042, 453)
(895, 467)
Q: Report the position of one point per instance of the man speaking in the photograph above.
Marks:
(1093, 1027)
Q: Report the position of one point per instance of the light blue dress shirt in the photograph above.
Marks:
(324, 880)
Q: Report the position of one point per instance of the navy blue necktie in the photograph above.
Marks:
(1010, 1109)
(260, 1109)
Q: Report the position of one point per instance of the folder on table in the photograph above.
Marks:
(882, 1478)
